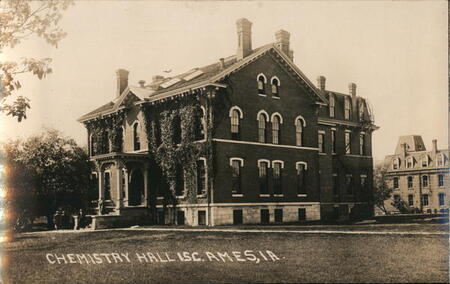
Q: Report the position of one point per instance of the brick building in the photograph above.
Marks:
(248, 139)
(417, 176)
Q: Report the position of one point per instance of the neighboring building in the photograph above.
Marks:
(417, 176)
(248, 139)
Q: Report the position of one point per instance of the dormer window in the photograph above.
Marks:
(425, 161)
(275, 87)
(332, 105)
(396, 163)
(347, 108)
(440, 160)
(361, 111)
(261, 84)
(409, 163)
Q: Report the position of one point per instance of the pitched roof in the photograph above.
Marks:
(210, 75)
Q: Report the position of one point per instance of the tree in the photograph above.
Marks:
(381, 191)
(45, 172)
(20, 19)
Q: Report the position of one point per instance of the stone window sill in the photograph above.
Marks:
(238, 195)
(264, 195)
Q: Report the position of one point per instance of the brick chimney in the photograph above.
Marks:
(352, 92)
(434, 149)
(282, 42)
(321, 83)
(244, 32)
(122, 80)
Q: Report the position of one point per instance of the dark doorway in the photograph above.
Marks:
(237, 217)
(201, 217)
(265, 216)
(136, 188)
(301, 214)
(278, 215)
(107, 186)
(180, 217)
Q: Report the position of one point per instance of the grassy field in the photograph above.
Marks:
(292, 257)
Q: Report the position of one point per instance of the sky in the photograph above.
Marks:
(395, 51)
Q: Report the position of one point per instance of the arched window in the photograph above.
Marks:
(332, 105)
(201, 125)
(262, 121)
(277, 167)
(136, 137)
(91, 145)
(263, 169)
(395, 163)
(409, 163)
(176, 128)
(235, 116)
(275, 87)
(440, 160)
(299, 125)
(347, 108)
(276, 121)
(301, 174)
(261, 84)
(425, 161)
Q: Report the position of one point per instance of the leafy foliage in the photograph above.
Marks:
(381, 191)
(45, 172)
(19, 20)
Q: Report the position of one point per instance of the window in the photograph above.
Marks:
(180, 217)
(276, 120)
(410, 200)
(107, 186)
(235, 115)
(424, 181)
(321, 142)
(395, 182)
(201, 177)
(424, 199)
(440, 180)
(106, 142)
(347, 108)
(440, 160)
(395, 163)
(361, 111)
(278, 215)
(176, 128)
(299, 124)
(261, 84)
(275, 87)
(277, 166)
(301, 214)
(349, 184)
(425, 161)
(441, 199)
(336, 184)
(410, 182)
(262, 121)
(237, 217)
(362, 146)
(333, 141)
(332, 105)
(136, 137)
(179, 182)
(201, 215)
(263, 167)
(348, 142)
(119, 139)
(265, 216)
(200, 126)
(236, 165)
(409, 162)
(301, 174)
(363, 180)
(91, 145)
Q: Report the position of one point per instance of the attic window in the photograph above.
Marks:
(171, 82)
(193, 75)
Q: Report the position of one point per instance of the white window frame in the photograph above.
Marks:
(297, 164)
(426, 159)
(409, 160)
(395, 163)
(265, 83)
(278, 87)
(241, 113)
(242, 165)
(440, 160)
(139, 130)
(347, 108)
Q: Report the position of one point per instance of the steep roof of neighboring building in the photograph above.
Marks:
(413, 143)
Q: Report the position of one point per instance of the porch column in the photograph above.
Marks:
(119, 200)
(125, 173)
(101, 189)
(145, 185)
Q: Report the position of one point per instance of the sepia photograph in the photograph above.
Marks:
(224, 141)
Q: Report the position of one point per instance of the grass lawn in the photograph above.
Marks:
(295, 258)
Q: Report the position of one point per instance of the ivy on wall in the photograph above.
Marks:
(107, 127)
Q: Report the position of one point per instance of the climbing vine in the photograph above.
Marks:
(111, 126)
